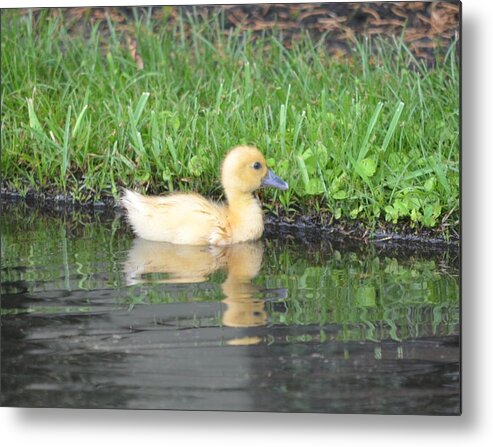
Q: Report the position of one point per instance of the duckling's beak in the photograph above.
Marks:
(275, 181)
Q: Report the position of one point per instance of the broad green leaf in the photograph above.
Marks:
(367, 167)
(314, 186)
(339, 195)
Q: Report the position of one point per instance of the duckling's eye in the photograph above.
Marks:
(257, 165)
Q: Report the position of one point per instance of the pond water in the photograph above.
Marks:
(297, 322)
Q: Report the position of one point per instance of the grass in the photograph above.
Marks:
(372, 137)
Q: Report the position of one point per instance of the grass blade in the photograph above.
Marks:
(303, 169)
(364, 147)
(392, 126)
(33, 118)
(65, 147)
(140, 106)
(78, 121)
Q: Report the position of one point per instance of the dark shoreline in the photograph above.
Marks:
(310, 227)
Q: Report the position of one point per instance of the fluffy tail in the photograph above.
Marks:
(132, 201)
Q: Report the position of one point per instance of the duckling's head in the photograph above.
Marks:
(244, 170)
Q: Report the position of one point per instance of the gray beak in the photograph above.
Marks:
(273, 180)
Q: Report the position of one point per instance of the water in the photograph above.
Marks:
(92, 318)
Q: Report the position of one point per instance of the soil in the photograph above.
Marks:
(425, 26)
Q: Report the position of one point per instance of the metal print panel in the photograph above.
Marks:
(235, 208)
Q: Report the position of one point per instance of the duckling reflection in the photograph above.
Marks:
(244, 262)
(163, 262)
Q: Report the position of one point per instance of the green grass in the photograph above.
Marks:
(373, 137)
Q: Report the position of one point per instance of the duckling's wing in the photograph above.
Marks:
(177, 218)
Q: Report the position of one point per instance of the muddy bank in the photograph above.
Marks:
(312, 227)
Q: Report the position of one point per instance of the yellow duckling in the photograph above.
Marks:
(188, 218)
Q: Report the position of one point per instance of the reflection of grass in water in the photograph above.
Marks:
(368, 296)
(51, 248)
(156, 276)
(55, 310)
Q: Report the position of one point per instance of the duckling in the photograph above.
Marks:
(188, 218)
